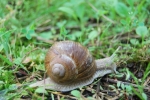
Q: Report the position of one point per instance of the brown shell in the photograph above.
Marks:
(79, 65)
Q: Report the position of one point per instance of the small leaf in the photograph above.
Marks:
(80, 11)
(121, 9)
(18, 60)
(28, 31)
(127, 74)
(112, 86)
(61, 23)
(130, 2)
(41, 90)
(122, 86)
(124, 22)
(67, 10)
(134, 41)
(128, 88)
(28, 36)
(40, 67)
(46, 35)
(144, 96)
(13, 87)
(76, 93)
(118, 84)
(77, 33)
(142, 31)
(93, 34)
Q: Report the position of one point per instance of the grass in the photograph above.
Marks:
(28, 28)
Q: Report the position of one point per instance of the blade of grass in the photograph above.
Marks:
(6, 60)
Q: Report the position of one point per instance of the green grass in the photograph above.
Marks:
(28, 28)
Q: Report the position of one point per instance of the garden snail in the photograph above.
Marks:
(69, 65)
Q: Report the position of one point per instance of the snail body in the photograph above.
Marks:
(69, 65)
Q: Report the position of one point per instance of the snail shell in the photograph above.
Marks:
(69, 65)
(69, 62)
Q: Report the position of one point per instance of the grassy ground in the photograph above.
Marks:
(29, 27)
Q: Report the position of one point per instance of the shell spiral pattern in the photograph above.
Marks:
(69, 62)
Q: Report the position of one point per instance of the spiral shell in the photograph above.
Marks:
(69, 62)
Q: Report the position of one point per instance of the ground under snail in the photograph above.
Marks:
(69, 65)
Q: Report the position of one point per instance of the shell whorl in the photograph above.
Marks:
(69, 62)
(58, 70)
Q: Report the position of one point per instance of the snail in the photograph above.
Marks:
(69, 65)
